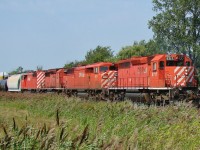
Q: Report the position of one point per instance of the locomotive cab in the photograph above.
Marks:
(103, 75)
(173, 70)
(182, 73)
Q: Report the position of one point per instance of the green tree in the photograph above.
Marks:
(74, 64)
(16, 71)
(39, 68)
(152, 47)
(99, 54)
(71, 64)
(129, 51)
(176, 26)
(141, 48)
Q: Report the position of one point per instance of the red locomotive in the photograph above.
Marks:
(158, 77)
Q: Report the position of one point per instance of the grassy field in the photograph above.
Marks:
(47, 121)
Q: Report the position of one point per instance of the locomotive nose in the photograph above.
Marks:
(190, 76)
(183, 76)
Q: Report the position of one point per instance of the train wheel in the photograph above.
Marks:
(111, 97)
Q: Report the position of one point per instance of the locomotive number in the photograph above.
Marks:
(81, 74)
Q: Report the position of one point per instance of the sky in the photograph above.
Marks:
(50, 33)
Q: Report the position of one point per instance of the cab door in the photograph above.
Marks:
(154, 74)
(161, 70)
(161, 73)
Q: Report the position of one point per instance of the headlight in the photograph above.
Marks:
(186, 71)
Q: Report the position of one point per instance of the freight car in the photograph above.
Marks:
(14, 83)
(3, 81)
(3, 85)
(162, 77)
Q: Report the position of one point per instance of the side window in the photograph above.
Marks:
(34, 74)
(161, 64)
(103, 69)
(96, 70)
(187, 63)
(70, 71)
(90, 70)
(154, 66)
(125, 65)
(112, 68)
(47, 74)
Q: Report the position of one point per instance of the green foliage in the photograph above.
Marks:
(176, 26)
(75, 64)
(39, 68)
(53, 121)
(141, 48)
(112, 59)
(152, 47)
(105, 54)
(71, 64)
(99, 54)
(129, 51)
(16, 71)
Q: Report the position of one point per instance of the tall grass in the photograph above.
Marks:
(49, 121)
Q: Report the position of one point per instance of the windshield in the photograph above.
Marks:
(175, 63)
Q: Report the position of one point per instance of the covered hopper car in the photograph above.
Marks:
(3, 85)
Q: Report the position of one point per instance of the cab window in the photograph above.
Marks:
(112, 68)
(162, 64)
(34, 74)
(96, 70)
(180, 63)
(70, 71)
(187, 63)
(154, 66)
(47, 74)
(124, 65)
(103, 69)
(170, 63)
(175, 63)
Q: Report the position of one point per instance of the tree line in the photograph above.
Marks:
(106, 54)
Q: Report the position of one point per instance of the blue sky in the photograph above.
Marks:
(51, 33)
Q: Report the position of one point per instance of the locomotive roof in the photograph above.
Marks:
(94, 65)
(145, 59)
(158, 57)
(53, 70)
(99, 64)
(136, 59)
